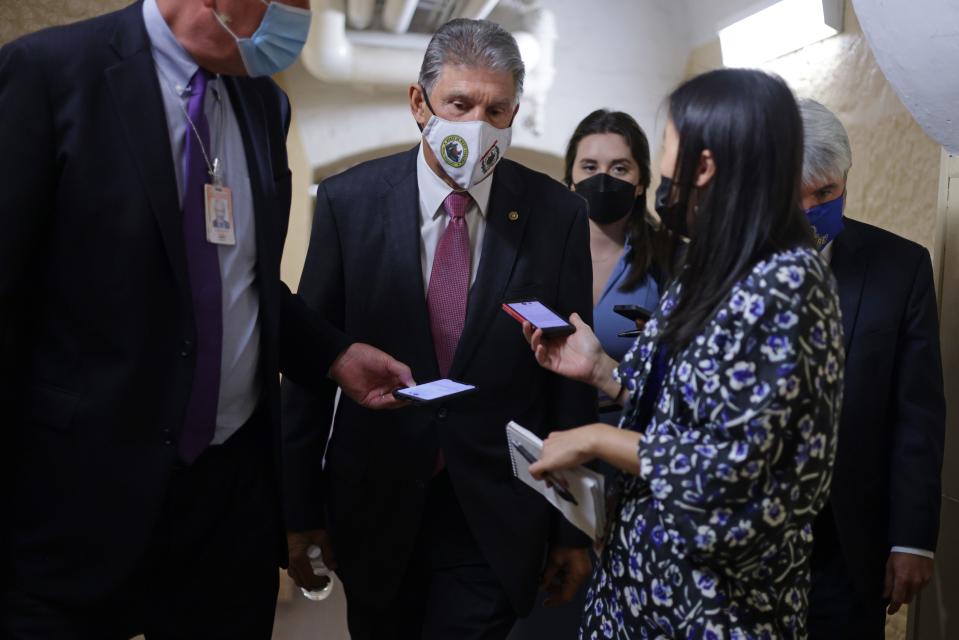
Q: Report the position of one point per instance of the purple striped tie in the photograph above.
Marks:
(203, 266)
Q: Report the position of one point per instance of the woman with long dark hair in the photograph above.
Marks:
(607, 162)
(733, 390)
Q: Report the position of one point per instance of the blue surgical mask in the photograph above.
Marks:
(826, 220)
(277, 42)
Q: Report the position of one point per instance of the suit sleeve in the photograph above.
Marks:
(309, 343)
(918, 436)
(27, 186)
(572, 404)
(308, 413)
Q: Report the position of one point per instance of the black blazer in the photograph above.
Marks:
(887, 480)
(96, 319)
(363, 271)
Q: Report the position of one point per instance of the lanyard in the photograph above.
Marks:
(214, 167)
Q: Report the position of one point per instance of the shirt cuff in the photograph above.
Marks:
(916, 552)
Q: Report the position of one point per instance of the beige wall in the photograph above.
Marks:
(18, 17)
(301, 206)
(894, 182)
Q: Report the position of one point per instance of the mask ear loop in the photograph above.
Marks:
(426, 98)
(223, 22)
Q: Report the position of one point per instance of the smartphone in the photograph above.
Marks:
(540, 316)
(436, 391)
(633, 312)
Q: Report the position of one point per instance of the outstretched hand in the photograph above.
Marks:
(369, 376)
(577, 356)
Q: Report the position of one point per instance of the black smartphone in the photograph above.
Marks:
(436, 391)
(540, 316)
(633, 312)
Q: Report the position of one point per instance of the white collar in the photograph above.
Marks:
(826, 253)
(175, 64)
(433, 190)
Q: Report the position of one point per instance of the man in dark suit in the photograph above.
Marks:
(419, 511)
(874, 543)
(141, 345)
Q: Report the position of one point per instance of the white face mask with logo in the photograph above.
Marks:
(467, 151)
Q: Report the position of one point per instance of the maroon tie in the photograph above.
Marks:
(450, 281)
(449, 288)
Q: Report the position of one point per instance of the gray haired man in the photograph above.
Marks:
(874, 542)
(419, 512)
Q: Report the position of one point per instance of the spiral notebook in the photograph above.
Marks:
(578, 493)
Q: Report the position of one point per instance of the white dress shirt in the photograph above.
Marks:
(239, 380)
(433, 219)
(827, 256)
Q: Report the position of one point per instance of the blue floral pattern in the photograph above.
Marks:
(712, 538)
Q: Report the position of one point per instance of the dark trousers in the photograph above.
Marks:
(836, 610)
(449, 590)
(210, 570)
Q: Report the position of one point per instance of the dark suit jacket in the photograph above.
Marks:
(887, 479)
(96, 319)
(363, 270)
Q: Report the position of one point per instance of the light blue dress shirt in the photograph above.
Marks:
(607, 323)
(239, 377)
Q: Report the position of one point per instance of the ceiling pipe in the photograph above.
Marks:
(477, 9)
(359, 13)
(397, 15)
(386, 59)
(332, 57)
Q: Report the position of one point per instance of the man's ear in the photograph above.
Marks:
(418, 105)
(706, 169)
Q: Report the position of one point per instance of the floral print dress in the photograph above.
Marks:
(712, 538)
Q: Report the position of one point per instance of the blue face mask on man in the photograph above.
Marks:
(277, 42)
(826, 220)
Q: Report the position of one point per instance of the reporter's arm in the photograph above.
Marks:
(573, 447)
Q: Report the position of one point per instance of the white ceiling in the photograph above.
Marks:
(704, 18)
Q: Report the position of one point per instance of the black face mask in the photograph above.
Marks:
(610, 199)
(673, 215)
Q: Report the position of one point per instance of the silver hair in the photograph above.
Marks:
(472, 43)
(826, 152)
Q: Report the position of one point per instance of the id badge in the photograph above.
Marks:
(219, 215)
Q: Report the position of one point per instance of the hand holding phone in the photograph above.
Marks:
(633, 312)
(540, 316)
(436, 391)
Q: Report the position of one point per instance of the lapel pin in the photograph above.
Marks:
(513, 216)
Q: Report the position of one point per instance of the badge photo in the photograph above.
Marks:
(219, 215)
